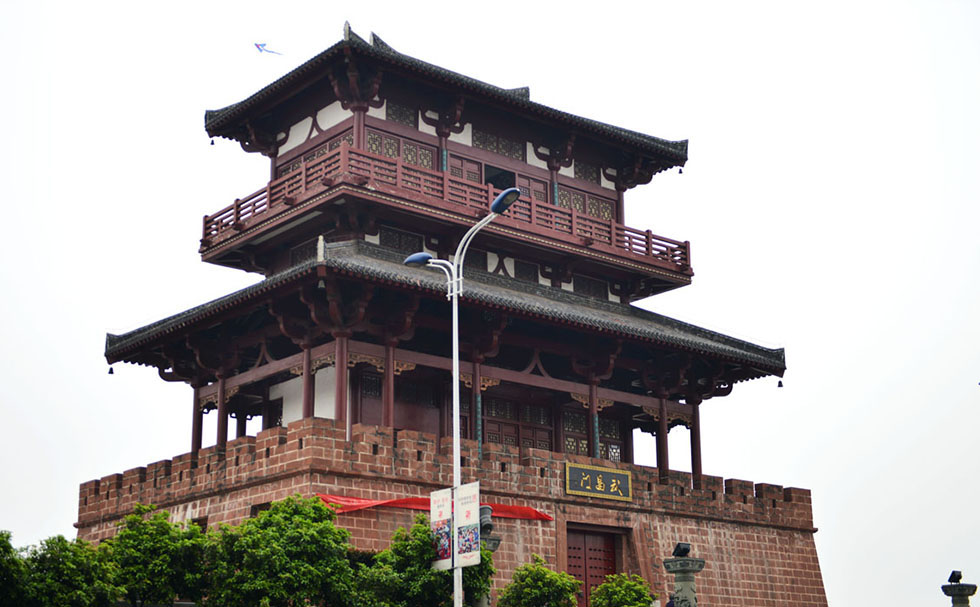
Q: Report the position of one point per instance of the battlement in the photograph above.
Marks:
(304, 453)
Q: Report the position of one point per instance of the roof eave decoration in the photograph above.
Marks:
(370, 262)
(235, 121)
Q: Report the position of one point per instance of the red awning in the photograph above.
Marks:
(342, 505)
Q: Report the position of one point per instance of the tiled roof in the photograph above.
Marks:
(224, 122)
(375, 264)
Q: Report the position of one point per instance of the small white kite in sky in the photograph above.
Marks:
(262, 49)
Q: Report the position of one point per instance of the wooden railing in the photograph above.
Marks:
(316, 174)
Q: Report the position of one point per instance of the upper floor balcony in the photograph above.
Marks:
(577, 222)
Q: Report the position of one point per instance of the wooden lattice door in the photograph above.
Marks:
(591, 557)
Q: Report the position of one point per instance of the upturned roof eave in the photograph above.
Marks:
(372, 263)
(228, 121)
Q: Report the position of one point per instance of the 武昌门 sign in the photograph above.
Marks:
(595, 481)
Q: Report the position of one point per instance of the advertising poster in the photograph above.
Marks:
(468, 524)
(441, 523)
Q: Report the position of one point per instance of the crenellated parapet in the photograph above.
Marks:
(313, 455)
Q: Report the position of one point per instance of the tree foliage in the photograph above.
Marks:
(534, 585)
(622, 590)
(63, 573)
(290, 554)
(156, 560)
(13, 573)
(402, 574)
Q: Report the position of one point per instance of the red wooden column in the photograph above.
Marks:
(663, 461)
(222, 414)
(695, 442)
(360, 131)
(197, 422)
(388, 389)
(593, 416)
(240, 421)
(340, 395)
(309, 381)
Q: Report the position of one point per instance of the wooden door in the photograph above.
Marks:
(591, 557)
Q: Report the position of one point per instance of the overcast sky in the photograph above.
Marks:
(830, 199)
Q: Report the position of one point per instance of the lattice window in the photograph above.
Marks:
(347, 137)
(511, 148)
(500, 408)
(402, 114)
(615, 453)
(371, 385)
(535, 414)
(575, 422)
(586, 172)
(403, 242)
(590, 287)
(510, 439)
(493, 437)
(525, 271)
(610, 428)
(599, 208)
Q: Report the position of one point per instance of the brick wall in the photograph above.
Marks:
(757, 539)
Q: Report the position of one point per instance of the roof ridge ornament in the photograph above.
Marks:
(523, 92)
(380, 44)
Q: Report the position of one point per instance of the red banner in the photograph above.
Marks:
(342, 505)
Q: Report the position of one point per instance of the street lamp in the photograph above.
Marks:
(454, 286)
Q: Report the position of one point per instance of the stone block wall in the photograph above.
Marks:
(757, 539)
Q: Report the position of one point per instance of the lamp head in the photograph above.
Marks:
(504, 200)
(417, 260)
(682, 549)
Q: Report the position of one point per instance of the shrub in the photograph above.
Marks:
(622, 590)
(534, 585)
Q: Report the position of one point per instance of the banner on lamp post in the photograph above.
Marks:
(466, 525)
(441, 523)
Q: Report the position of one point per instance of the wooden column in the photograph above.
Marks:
(240, 420)
(663, 461)
(594, 416)
(340, 395)
(360, 131)
(388, 389)
(476, 406)
(222, 414)
(309, 381)
(695, 442)
(620, 207)
(197, 422)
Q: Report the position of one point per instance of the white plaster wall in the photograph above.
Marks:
(492, 260)
(377, 112)
(605, 182)
(424, 128)
(612, 298)
(568, 171)
(298, 134)
(542, 280)
(291, 393)
(567, 286)
(466, 137)
(372, 238)
(331, 115)
(533, 160)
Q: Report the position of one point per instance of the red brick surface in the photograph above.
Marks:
(757, 539)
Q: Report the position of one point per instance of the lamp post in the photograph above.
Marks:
(454, 286)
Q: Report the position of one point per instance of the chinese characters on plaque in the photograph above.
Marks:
(595, 481)
(465, 525)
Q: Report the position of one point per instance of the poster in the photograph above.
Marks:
(441, 521)
(467, 524)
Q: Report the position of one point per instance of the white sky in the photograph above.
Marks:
(830, 199)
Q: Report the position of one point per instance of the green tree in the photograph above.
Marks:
(62, 573)
(402, 574)
(534, 585)
(291, 554)
(156, 560)
(12, 573)
(622, 590)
